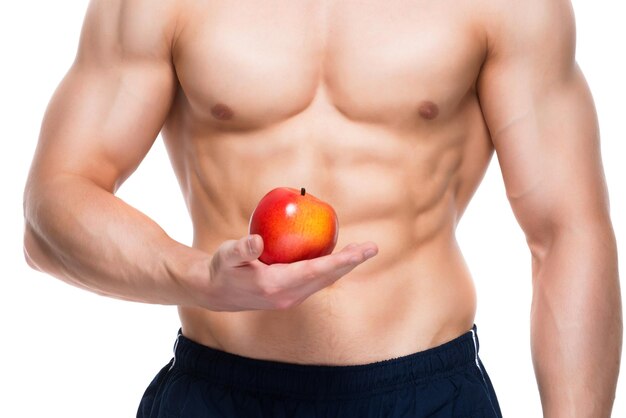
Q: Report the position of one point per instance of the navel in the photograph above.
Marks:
(428, 110)
(222, 112)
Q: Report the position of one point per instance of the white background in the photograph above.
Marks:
(69, 353)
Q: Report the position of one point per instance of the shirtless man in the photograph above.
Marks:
(391, 112)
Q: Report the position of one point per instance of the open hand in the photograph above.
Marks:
(239, 281)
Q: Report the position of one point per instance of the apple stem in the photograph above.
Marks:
(302, 191)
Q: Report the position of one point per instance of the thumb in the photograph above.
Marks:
(243, 250)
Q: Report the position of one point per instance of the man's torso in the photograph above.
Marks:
(372, 107)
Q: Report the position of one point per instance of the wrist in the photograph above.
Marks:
(188, 271)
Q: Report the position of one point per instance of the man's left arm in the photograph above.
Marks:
(544, 128)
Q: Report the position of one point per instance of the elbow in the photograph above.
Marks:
(28, 239)
(592, 235)
(40, 241)
(30, 249)
(540, 237)
(539, 246)
(29, 260)
(33, 245)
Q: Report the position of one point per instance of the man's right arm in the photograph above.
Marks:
(101, 122)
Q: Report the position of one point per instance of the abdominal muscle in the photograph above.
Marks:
(403, 190)
(370, 106)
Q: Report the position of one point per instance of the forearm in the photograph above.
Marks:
(84, 235)
(576, 323)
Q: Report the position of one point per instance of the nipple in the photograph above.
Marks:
(428, 110)
(221, 112)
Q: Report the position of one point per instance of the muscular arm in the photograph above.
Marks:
(100, 123)
(543, 124)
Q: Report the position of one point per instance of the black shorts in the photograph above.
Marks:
(444, 381)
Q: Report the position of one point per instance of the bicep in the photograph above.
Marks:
(110, 106)
(544, 127)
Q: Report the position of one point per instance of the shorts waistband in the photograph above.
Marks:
(323, 381)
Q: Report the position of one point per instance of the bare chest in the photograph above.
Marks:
(248, 64)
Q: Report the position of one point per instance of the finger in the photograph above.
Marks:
(243, 250)
(313, 285)
(349, 246)
(330, 267)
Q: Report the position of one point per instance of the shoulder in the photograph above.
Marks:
(528, 26)
(131, 27)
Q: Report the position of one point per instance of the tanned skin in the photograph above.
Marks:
(389, 111)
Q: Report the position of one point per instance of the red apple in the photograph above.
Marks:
(294, 225)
